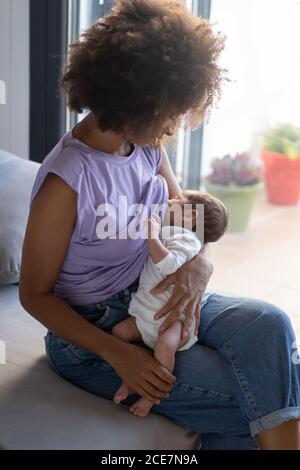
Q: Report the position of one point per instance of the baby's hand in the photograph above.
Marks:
(154, 226)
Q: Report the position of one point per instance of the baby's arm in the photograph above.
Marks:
(168, 259)
(157, 250)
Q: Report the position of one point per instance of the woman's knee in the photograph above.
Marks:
(263, 317)
(273, 318)
(226, 318)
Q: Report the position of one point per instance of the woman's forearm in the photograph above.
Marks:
(205, 251)
(59, 317)
(167, 172)
(203, 260)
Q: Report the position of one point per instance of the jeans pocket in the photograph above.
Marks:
(99, 316)
(107, 315)
(78, 354)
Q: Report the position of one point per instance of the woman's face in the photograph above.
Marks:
(153, 137)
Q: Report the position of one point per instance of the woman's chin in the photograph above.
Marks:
(144, 143)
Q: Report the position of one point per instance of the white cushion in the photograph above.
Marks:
(17, 177)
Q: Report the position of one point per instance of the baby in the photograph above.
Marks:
(170, 247)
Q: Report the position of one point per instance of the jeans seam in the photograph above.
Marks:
(104, 317)
(227, 347)
(196, 389)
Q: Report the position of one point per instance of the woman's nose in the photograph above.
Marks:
(170, 129)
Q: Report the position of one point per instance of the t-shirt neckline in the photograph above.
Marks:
(114, 159)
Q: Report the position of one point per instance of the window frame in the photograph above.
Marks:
(48, 49)
(193, 141)
(53, 25)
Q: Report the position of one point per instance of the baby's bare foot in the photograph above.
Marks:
(141, 408)
(122, 393)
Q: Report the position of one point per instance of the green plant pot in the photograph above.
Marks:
(238, 200)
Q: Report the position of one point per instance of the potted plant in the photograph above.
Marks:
(281, 158)
(236, 181)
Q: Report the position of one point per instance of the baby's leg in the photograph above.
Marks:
(127, 331)
(165, 348)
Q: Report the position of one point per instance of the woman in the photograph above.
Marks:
(138, 71)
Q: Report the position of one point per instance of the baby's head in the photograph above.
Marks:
(215, 213)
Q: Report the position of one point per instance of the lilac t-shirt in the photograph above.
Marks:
(96, 268)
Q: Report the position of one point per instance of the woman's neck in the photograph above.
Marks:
(109, 142)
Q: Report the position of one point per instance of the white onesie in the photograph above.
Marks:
(183, 245)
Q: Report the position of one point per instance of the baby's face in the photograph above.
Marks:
(176, 213)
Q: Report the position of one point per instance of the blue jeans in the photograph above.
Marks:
(238, 380)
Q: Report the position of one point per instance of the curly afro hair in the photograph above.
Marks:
(144, 62)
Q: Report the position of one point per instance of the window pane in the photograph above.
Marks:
(91, 10)
(262, 55)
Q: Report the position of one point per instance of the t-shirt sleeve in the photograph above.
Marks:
(65, 165)
(154, 157)
(182, 248)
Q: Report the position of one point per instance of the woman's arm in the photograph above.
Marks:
(50, 226)
(167, 172)
(49, 230)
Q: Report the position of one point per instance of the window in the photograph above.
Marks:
(262, 55)
(184, 154)
(48, 46)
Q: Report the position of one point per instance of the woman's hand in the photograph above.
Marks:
(190, 282)
(142, 372)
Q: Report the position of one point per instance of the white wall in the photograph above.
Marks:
(14, 71)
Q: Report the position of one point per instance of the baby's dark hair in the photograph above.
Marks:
(215, 214)
(147, 60)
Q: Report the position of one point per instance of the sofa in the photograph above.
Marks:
(40, 410)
